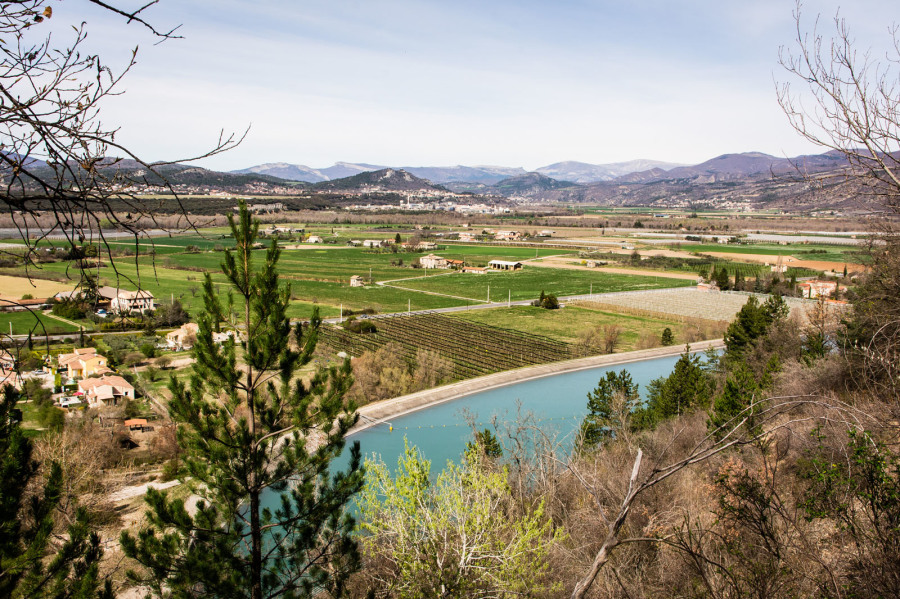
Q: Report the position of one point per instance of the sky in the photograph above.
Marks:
(520, 83)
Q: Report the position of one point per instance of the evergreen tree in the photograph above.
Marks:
(27, 522)
(667, 337)
(688, 386)
(738, 280)
(752, 322)
(397, 238)
(251, 432)
(722, 280)
(600, 424)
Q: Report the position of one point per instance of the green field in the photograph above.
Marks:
(804, 251)
(568, 323)
(528, 283)
(25, 322)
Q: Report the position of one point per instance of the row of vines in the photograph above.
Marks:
(474, 349)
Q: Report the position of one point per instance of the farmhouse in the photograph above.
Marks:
(478, 270)
(83, 362)
(371, 243)
(356, 281)
(432, 261)
(123, 300)
(507, 235)
(813, 289)
(457, 264)
(467, 236)
(23, 304)
(504, 265)
(184, 337)
(314, 239)
(105, 390)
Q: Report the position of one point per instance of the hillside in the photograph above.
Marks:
(381, 180)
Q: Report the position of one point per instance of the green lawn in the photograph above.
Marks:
(34, 322)
(528, 283)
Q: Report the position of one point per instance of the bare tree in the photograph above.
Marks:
(849, 103)
(768, 415)
(56, 155)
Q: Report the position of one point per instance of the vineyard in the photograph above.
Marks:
(475, 349)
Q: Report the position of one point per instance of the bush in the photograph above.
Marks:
(148, 349)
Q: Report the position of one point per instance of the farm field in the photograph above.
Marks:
(686, 303)
(825, 253)
(566, 324)
(25, 322)
(317, 276)
(528, 283)
(474, 349)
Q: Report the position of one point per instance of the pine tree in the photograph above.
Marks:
(252, 434)
(27, 523)
(667, 337)
(600, 424)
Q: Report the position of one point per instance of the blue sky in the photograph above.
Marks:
(406, 82)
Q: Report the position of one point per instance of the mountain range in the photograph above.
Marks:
(577, 172)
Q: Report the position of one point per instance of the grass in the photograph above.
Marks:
(828, 253)
(25, 322)
(528, 283)
(568, 323)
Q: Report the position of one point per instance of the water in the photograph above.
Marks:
(558, 402)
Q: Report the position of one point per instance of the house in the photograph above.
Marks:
(432, 261)
(478, 270)
(467, 236)
(123, 300)
(504, 265)
(813, 289)
(507, 235)
(83, 362)
(457, 264)
(314, 239)
(371, 243)
(707, 287)
(222, 337)
(421, 246)
(105, 390)
(184, 337)
(356, 281)
(20, 305)
(546, 233)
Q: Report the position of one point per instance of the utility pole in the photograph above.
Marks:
(341, 319)
(489, 294)
(408, 306)
(509, 299)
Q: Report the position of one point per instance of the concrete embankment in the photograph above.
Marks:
(382, 411)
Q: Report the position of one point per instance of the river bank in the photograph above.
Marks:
(381, 412)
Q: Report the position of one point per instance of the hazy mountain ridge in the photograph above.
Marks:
(579, 172)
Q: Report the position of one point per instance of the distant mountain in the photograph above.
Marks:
(465, 174)
(283, 170)
(529, 184)
(582, 172)
(387, 179)
(579, 172)
(735, 166)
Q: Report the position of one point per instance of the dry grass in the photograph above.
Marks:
(13, 288)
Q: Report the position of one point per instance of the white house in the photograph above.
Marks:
(314, 239)
(371, 243)
(432, 261)
(123, 300)
(356, 281)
